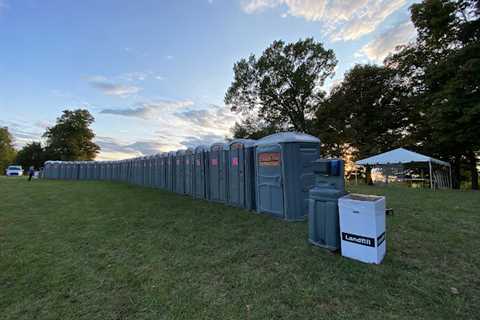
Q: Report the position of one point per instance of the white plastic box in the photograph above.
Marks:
(362, 227)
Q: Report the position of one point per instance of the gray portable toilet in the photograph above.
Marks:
(217, 172)
(189, 171)
(91, 170)
(180, 172)
(148, 171)
(162, 167)
(81, 171)
(241, 172)
(284, 173)
(201, 172)
(170, 171)
(61, 170)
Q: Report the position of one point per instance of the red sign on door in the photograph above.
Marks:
(214, 162)
(234, 162)
(198, 162)
(269, 159)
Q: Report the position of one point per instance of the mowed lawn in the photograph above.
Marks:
(100, 250)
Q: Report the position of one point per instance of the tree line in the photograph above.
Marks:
(425, 96)
(71, 138)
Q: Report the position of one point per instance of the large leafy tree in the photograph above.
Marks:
(32, 154)
(365, 114)
(442, 69)
(282, 87)
(7, 151)
(71, 137)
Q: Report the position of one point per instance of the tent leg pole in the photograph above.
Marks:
(431, 178)
(451, 183)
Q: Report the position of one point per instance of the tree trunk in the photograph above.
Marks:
(472, 162)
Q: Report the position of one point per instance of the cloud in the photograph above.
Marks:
(342, 20)
(112, 89)
(22, 133)
(386, 43)
(220, 118)
(112, 149)
(150, 110)
(205, 139)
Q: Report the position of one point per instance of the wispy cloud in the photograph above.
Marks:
(386, 43)
(150, 110)
(113, 149)
(220, 118)
(342, 20)
(204, 139)
(113, 89)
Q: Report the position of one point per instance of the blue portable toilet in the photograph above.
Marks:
(217, 172)
(170, 171)
(189, 171)
(162, 170)
(148, 171)
(82, 175)
(180, 172)
(284, 173)
(201, 172)
(241, 172)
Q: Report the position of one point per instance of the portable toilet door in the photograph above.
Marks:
(148, 168)
(241, 172)
(170, 172)
(180, 172)
(162, 159)
(284, 173)
(217, 171)
(189, 172)
(201, 172)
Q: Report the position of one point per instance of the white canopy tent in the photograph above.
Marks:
(404, 156)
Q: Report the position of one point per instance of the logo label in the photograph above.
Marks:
(361, 240)
(214, 162)
(235, 162)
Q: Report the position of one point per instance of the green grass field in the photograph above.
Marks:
(98, 250)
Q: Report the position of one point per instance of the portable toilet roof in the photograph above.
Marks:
(285, 137)
(172, 153)
(245, 142)
(201, 148)
(180, 152)
(223, 145)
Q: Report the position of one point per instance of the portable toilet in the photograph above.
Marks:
(284, 173)
(170, 171)
(148, 171)
(201, 172)
(151, 171)
(189, 171)
(161, 170)
(69, 170)
(241, 172)
(217, 172)
(180, 172)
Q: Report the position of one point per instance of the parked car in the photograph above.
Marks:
(14, 170)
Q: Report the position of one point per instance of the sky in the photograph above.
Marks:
(154, 73)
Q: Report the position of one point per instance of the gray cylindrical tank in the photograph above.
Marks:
(180, 172)
(201, 172)
(217, 172)
(189, 171)
(284, 173)
(170, 171)
(323, 215)
(241, 181)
